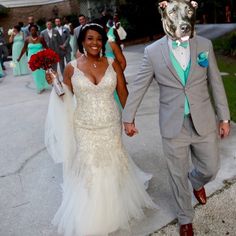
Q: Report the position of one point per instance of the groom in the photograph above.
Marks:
(185, 69)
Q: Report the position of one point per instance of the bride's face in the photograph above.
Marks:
(93, 42)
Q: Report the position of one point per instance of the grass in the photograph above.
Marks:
(228, 64)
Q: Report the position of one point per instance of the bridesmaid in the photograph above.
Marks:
(21, 67)
(35, 43)
(1, 71)
(114, 51)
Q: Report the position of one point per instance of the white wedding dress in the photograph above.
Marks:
(102, 189)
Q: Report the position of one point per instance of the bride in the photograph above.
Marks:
(102, 189)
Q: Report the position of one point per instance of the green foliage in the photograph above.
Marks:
(228, 64)
(226, 44)
(213, 9)
(141, 18)
(3, 11)
(72, 18)
(41, 23)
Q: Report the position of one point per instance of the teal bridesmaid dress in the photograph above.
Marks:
(1, 71)
(21, 67)
(39, 76)
(72, 44)
(109, 54)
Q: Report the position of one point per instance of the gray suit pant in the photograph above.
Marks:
(204, 153)
(67, 56)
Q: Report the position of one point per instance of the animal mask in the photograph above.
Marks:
(178, 18)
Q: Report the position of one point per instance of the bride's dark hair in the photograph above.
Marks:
(96, 27)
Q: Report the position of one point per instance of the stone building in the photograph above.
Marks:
(19, 10)
(17, 13)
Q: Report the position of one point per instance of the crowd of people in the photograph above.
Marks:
(62, 37)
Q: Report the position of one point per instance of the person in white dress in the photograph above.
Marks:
(103, 190)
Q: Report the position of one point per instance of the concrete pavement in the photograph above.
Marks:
(30, 181)
(213, 31)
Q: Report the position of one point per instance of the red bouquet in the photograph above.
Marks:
(43, 59)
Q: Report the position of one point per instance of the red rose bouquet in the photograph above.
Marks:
(44, 60)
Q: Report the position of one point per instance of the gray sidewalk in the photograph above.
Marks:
(30, 181)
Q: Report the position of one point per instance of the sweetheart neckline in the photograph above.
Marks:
(86, 77)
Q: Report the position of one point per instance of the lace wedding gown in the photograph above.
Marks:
(103, 189)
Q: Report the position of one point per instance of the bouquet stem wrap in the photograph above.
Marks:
(56, 82)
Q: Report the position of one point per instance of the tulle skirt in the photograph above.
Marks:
(103, 189)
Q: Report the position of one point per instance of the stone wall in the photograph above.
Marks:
(15, 15)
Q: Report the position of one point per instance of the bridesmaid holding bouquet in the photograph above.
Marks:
(35, 43)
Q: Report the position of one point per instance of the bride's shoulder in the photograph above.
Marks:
(110, 60)
(115, 64)
(73, 63)
(69, 69)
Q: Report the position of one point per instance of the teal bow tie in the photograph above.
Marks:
(177, 44)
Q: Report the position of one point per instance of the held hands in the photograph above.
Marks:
(224, 129)
(130, 129)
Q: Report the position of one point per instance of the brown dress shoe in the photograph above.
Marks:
(186, 230)
(200, 195)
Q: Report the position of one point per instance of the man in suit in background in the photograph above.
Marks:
(82, 21)
(64, 46)
(26, 28)
(184, 66)
(52, 38)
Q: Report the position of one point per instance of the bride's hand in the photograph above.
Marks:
(49, 76)
(130, 129)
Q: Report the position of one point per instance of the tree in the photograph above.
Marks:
(141, 17)
(213, 9)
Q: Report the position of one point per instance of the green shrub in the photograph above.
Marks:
(226, 44)
(140, 18)
(3, 11)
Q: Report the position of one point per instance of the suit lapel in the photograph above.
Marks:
(166, 54)
(193, 57)
(47, 35)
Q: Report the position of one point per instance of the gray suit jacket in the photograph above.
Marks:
(157, 64)
(65, 39)
(52, 42)
(76, 33)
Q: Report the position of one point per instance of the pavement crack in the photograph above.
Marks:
(24, 163)
(22, 204)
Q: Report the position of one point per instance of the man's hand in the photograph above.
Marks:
(130, 129)
(224, 129)
(62, 47)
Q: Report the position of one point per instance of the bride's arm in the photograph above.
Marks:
(121, 84)
(68, 73)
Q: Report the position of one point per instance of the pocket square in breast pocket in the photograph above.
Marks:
(202, 59)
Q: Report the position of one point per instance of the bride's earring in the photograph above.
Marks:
(101, 53)
(85, 52)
